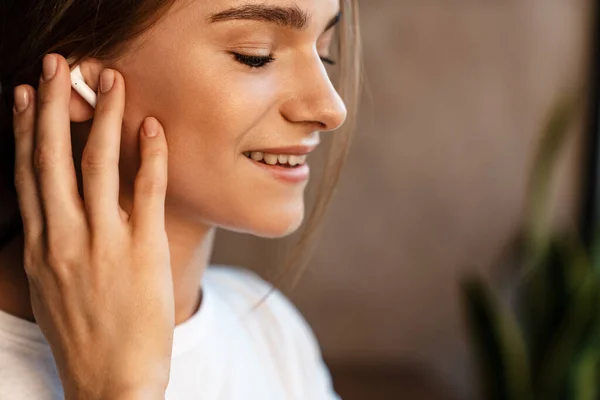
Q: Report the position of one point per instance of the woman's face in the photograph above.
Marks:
(191, 72)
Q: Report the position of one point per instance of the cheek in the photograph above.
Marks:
(218, 109)
(210, 123)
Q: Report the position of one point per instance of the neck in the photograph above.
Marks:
(190, 247)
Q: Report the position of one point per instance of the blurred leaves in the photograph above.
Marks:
(551, 144)
(499, 342)
(550, 349)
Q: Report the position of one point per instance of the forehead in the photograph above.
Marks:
(187, 20)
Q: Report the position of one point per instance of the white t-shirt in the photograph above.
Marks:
(224, 351)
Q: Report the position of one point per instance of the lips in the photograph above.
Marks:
(284, 160)
(294, 175)
(287, 157)
(286, 164)
(290, 150)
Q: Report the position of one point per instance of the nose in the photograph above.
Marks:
(313, 99)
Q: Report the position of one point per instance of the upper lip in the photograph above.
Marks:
(291, 150)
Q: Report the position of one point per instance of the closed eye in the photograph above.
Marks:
(262, 61)
(253, 61)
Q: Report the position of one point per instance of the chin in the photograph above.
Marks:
(275, 231)
(274, 222)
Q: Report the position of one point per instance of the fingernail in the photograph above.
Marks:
(21, 99)
(49, 67)
(150, 127)
(107, 80)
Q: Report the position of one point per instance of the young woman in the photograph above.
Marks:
(105, 291)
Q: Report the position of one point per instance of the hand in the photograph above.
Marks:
(99, 277)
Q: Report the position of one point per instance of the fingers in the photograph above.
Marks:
(25, 181)
(46, 151)
(100, 159)
(147, 217)
(52, 156)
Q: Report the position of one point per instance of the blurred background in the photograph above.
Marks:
(456, 93)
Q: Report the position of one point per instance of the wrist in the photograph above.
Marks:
(148, 384)
(147, 392)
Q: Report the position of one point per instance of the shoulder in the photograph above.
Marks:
(278, 327)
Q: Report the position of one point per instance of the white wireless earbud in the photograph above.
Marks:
(81, 87)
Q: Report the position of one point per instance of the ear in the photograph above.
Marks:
(79, 109)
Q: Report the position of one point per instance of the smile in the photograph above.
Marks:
(270, 165)
(282, 160)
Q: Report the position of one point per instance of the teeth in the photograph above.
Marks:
(301, 159)
(273, 159)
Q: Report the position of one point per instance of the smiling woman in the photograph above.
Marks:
(239, 94)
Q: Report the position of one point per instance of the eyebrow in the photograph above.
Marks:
(288, 17)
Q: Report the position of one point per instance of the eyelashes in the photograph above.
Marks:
(263, 61)
(253, 61)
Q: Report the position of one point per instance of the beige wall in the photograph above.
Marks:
(436, 179)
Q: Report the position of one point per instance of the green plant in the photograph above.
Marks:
(549, 348)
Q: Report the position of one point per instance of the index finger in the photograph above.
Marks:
(53, 157)
(25, 181)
